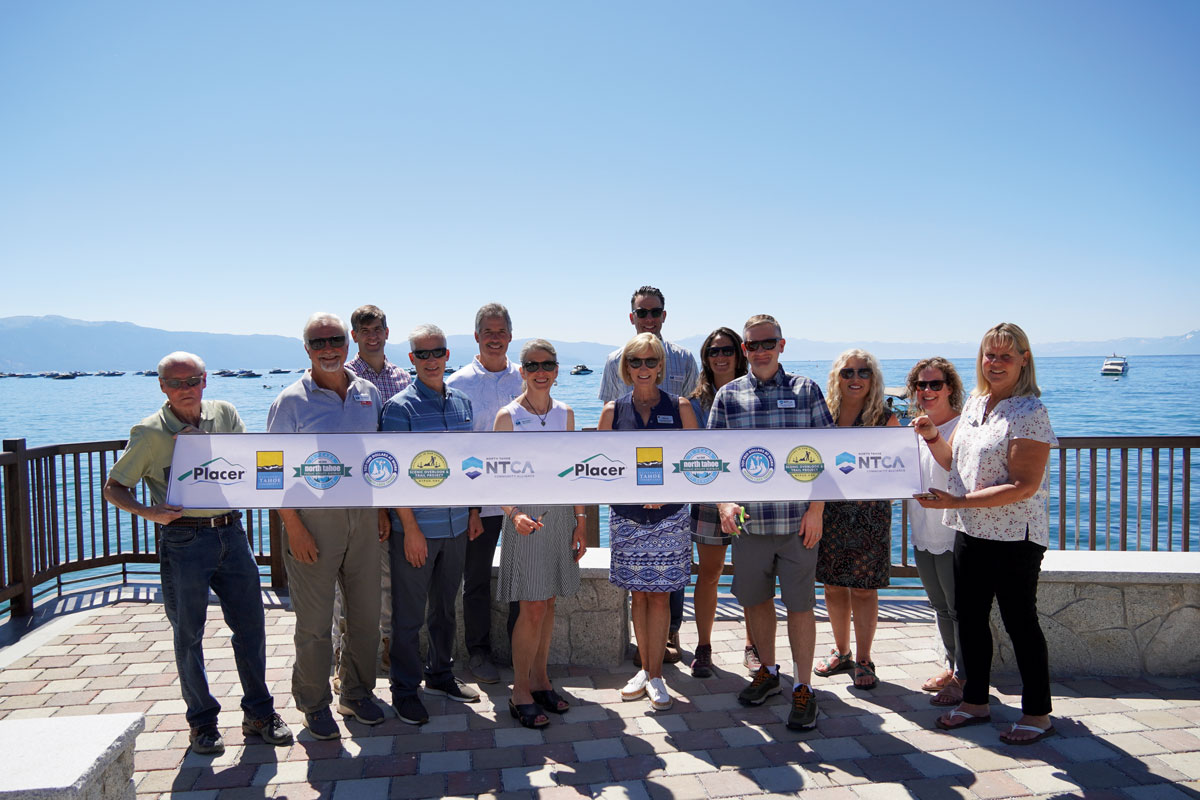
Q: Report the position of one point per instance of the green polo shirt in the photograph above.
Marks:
(147, 457)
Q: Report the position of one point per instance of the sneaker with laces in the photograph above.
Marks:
(363, 709)
(321, 725)
(206, 741)
(660, 698)
(702, 663)
(411, 710)
(763, 686)
(750, 659)
(482, 669)
(272, 729)
(636, 687)
(453, 689)
(803, 716)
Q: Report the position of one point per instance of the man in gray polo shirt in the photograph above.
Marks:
(331, 545)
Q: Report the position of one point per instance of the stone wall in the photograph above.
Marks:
(1114, 613)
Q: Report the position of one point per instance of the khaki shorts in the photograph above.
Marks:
(758, 560)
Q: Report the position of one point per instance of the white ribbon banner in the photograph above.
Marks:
(299, 470)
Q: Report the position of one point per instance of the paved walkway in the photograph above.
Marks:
(1119, 738)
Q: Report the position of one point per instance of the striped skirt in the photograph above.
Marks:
(651, 558)
(541, 565)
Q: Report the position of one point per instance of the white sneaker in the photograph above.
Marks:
(660, 698)
(636, 687)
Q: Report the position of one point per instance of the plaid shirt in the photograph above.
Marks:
(391, 381)
(784, 401)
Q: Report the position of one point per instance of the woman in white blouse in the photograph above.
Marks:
(996, 501)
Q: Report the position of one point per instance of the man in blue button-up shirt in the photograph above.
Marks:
(430, 546)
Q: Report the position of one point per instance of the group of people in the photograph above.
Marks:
(360, 575)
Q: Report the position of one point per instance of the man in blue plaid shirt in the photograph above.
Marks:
(776, 539)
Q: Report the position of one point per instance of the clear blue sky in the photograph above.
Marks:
(895, 171)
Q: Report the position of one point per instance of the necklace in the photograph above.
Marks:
(541, 417)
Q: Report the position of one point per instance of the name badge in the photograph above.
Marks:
(787, 403)
(665, 420)
(363, 399)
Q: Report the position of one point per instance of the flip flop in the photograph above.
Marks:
(1042, 733)
(969, 719)
(551, 701)
(865, 668)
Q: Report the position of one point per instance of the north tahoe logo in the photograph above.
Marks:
(598, 467)
(845, 462)
(380, 469)
(700, 466)
(322, 470)
(429, 468)
(804, 463)
(269, 465)
(649, 466)
(758, 465)
(217, 470)
(472, 467)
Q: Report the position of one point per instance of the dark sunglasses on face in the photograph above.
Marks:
(175, 383)
(534, 366)
(327, 341)
(933, 386)
(422, 355)
(863, 372)
(642, 313)
(636, 363)
(723, 350)
(765, 344)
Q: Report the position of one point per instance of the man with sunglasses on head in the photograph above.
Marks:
(199, 549)
(331, 546)
(491, 381)
(430, 544)
(648, 312)
(774, 539)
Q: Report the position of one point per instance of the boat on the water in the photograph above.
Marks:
(896, 400)
(580, 369)
(1114, 365)
(278, 371)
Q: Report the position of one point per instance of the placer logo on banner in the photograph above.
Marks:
(700, 466)
(429, 468)
(649, 466)
(217, 470)
(804, 463)
(380, 469)
(758, 465)
(597, 467)
(322, 470)
(270, 469)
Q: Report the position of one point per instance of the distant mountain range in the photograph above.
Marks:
(52, 343)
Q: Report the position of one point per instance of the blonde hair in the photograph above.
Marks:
(1007, 334)
(874, 412)
(643, 341)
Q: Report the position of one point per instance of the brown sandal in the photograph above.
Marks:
(950, 695)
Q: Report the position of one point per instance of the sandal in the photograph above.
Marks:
(865, 668)
(939, 681)
(834, 663)
(1042, 733)
(551, 701)
(950, 695)
(528, 714)
(967, 719)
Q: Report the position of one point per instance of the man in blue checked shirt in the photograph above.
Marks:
(776, 539)
(430, 544)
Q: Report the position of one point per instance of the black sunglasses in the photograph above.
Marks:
(327, 341)
(863, 372)
(636, 363)
(933, 386)
(437, 352)
(723, 350)
(642, 313)
(765, 344)
(175, 383)
(534, 366)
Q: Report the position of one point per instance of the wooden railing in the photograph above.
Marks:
(57, 530)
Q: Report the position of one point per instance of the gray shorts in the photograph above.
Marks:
(757, 560)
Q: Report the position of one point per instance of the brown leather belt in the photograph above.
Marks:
(207, 522)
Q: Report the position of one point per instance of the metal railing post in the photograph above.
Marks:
(20, 543)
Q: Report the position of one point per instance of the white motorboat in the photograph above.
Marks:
(1114, 365)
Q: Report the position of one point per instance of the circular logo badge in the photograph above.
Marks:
(380, 469)
(429, 468)
(322, 470)
(804, 463)
(758, 465)
(701, 466)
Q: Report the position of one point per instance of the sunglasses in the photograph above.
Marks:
(544, 366)
(723, 350)
(863, 372)
(175, 383)
(422, 355)
(327, 341)
(765, 344)
(933, 386)
(642, 313)
(636, 363)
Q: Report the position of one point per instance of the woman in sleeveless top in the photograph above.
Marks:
(540, 547)
(855, 559)
(651, 545)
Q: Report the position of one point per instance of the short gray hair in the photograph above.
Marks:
(179, 357)
(421, 331)
(322, 317)
(492, 310)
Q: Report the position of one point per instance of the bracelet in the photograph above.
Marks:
(934, 439)
(584, 516)
(513, 514)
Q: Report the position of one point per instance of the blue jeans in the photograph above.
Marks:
(194, 560)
